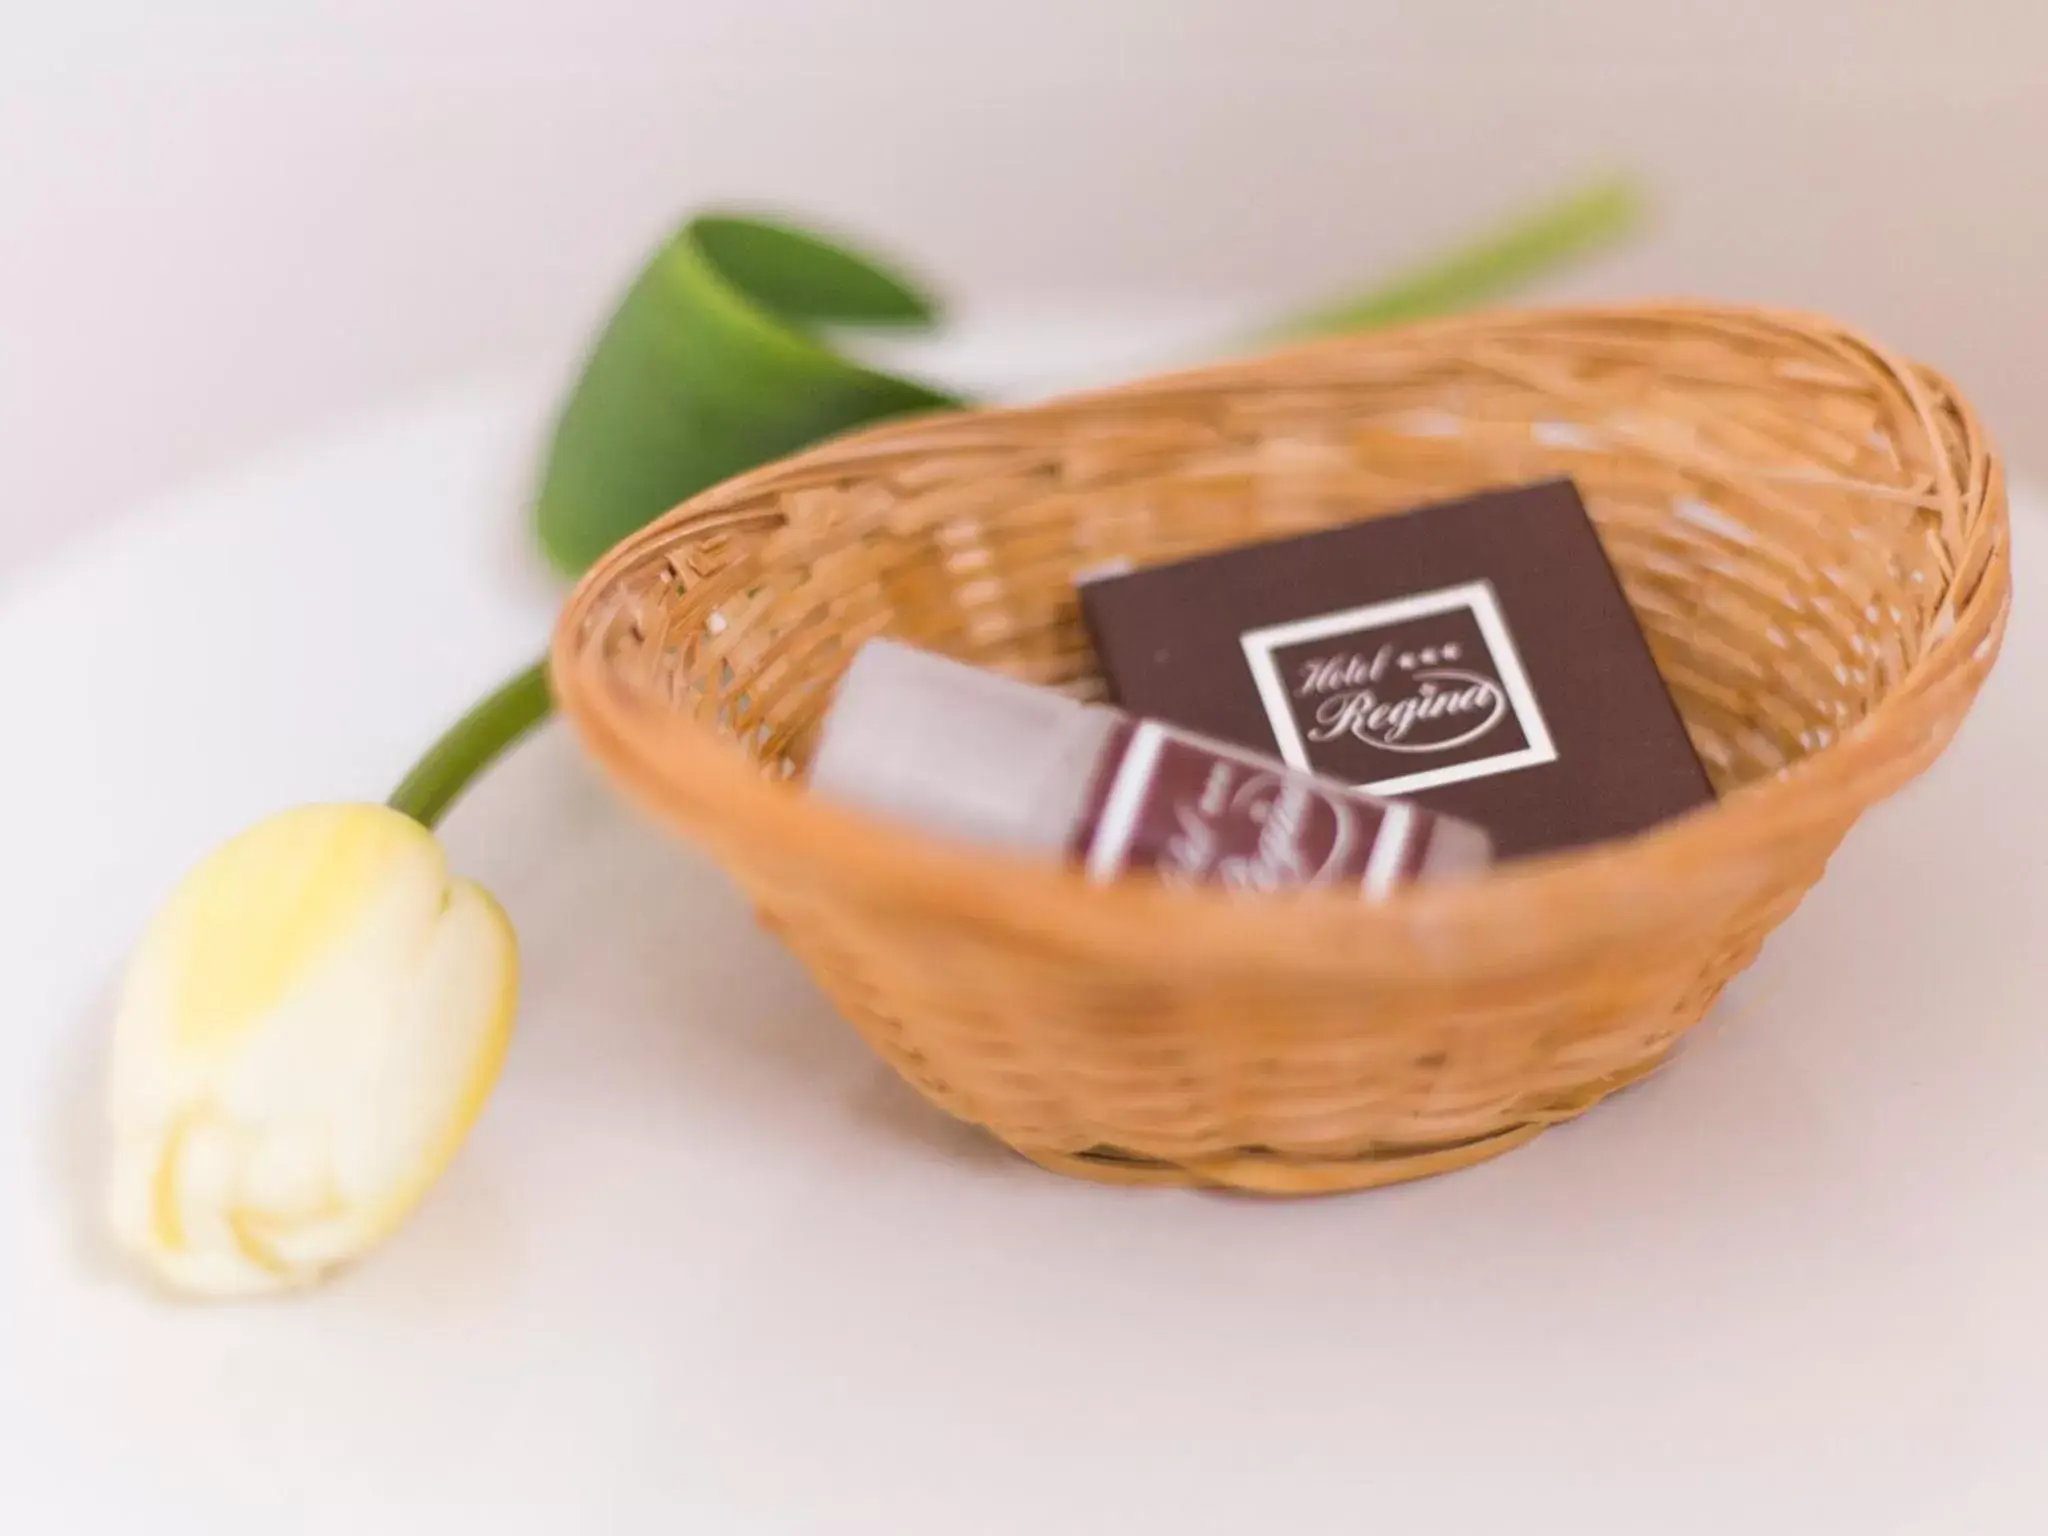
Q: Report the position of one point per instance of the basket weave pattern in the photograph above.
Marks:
(1811, 530)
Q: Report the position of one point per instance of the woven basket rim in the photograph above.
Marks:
(704, 785)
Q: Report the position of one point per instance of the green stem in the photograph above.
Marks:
(1489, 267)
(471, 745)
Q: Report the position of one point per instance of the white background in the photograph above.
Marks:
(225, 223)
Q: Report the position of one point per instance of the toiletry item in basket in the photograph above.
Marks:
(989, 760)
(1478, 657)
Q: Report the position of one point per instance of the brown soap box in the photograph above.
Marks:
(1477, 657)
(1812, 531)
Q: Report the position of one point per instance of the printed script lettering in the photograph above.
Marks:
(1297, 833)
(1446, 708)
(1191, 849)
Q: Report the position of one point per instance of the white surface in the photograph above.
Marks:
(708, 1267)
(223, 221)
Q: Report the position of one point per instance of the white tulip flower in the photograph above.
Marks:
(309, 1028)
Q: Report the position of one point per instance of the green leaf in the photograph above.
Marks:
(714, 362)
(1490, 267)
(711, 365)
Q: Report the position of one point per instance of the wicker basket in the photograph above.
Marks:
(1812, 530)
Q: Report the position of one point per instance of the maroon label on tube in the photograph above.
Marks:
(1195, 811)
